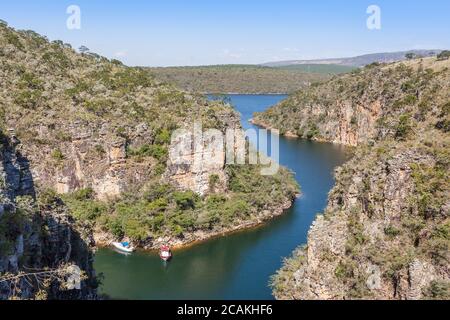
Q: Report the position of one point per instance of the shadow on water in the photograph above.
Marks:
(238, 266)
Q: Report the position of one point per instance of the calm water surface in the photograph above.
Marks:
(238, 266)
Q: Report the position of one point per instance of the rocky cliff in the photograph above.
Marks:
(39, 242)
(385, 231)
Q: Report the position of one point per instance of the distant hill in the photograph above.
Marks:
(319, 68)
(272, 77)
(247, 79)
(358, 61)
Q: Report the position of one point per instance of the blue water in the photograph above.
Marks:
(237, 266)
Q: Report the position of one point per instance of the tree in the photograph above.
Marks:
(444, 55)
(83, 49)
(410, 56)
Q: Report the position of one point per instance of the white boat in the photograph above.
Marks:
(123, 246)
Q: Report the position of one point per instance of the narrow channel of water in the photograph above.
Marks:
(238, 266)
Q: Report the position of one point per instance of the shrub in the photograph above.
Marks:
(57, 155)
(12, 224)
(236, 208)
(444, 55)
(185, 200)
(410, 100)
(404, 127)
(28, 98)
(439, 290)
(391, 231)
(213, 180)
(429, 183)
(135, 229)
(157, 191)
(86, 210)
(163, 137)
(48, 198)
(114, 225)
(344, 270)
(14, 40)
(83, 194)
(312, 132)
(147, 150)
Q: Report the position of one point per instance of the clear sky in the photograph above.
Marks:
(198, 32)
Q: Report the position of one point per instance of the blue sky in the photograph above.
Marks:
(197, 32)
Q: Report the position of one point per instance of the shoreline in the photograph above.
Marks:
(290, 135)
(263, 125)
(104, 239)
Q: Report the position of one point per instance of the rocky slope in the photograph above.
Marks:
(99, 134)
(39, 241)
(385, 231)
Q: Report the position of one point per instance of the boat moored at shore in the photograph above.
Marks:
(123, 246)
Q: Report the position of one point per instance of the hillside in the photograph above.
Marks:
(95, 137)
(329, 69)
(245, 79)
(385, 231)
(358, 61)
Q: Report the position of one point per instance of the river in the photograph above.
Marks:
(238, 266)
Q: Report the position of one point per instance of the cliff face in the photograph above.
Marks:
(38, 241)
(385, 231)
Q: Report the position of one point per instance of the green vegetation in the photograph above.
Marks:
(159, 210)
(13, 222)
(57, 155)
(438, 290)
(240, 78)
(408, 91)
(329, 69)
(444, 55)
(156, 151)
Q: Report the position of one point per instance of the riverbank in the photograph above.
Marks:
(266, 126)
(103, 239)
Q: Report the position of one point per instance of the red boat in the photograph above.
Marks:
(165, 253)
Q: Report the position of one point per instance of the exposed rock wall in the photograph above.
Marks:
(93, 157)
(36, 239)
(361, 247)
